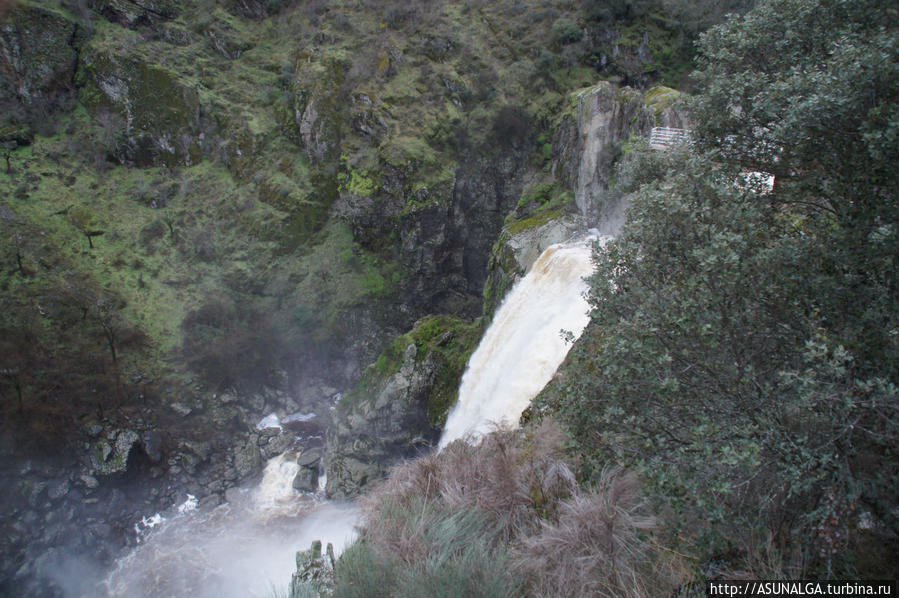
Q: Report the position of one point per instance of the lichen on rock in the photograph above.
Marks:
(399, 407)
(38, 54)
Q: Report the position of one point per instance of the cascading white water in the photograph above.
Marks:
(524, 345)
(247, 548)
(243, 549)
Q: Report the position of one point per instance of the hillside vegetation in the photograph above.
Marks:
(203, 195)
(742, 351)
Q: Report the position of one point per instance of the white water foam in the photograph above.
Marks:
(269, 421)
(245, 549)
(524, 345)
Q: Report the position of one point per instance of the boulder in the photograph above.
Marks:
(306, 480)
(38, 54)
(247, 459)
(374, 431)
(153, 115)
(110, 454)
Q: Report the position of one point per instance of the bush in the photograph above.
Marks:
(485, 520)
(742, 353)
(566, 31)
(597, 546)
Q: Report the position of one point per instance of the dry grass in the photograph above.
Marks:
(514, 499)
(599, 545)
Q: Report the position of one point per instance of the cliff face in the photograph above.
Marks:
(217, 211)
(38, 56)
(384, 420)
(591, 136)
(601, 120)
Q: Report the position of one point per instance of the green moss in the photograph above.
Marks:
(503, 270)
(447, 340)
(538, 219)
(402, 150)
(357, 181)
(660, 98)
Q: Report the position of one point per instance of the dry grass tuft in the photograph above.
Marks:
(598, 546)
(513, 496)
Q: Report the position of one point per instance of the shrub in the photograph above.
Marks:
(597, 546)
(484, 520)
(566, 31)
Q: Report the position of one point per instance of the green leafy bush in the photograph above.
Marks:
(743, 353)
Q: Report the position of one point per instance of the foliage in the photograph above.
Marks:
(597, 546)
(65, 342)
(441, 553)
(566, 31)
(742, 352)
(492, 519)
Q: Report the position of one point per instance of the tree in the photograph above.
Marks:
(86, 222)
(743, 351)
(807, 91)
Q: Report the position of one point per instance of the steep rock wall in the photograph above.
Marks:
(38, 56)
(590, 138)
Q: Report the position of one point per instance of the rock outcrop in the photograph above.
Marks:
(150, 115)
(134, 13)
(315, 572)
(38, 56)
(590, 138)
(398, 409)
(589, 142)
(380, 429)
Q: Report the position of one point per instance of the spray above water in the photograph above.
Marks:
(525, 344)
(243, 549)
(247, 548)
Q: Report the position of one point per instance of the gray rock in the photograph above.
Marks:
(36, 49)
(152, 443)
(247, 459)
(112, 457)
(306, 480)
(181, 409)
(201, 449)
(89, 481)
(56, 489)
(279, 444)
(587, 146)
(309, 459)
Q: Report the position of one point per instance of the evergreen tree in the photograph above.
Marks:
(743, 347)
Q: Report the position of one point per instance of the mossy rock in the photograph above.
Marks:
(38, 56)
(503, 270)
(159, 112)
(446, 342)
(137, 12)
(661, 98)
(407, 153)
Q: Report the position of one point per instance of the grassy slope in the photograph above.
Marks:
(248, 225)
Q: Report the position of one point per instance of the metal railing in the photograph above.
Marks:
(664, 137)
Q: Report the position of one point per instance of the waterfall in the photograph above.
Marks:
(524, 345)
(247, 547)
(244, 548)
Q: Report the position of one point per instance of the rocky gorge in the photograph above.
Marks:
(216, 212)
